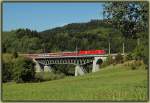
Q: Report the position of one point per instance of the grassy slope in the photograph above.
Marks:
(107, 84)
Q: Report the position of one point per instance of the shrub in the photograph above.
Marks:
(47, 76)
(108, 61)
(7, 67)
(119, 58)
(138, 52)
(128, 57)
(136, 64)
(133, 66)
(23, 70)
(141, 52)
(6, 71)
(65, 69)
(15, 54)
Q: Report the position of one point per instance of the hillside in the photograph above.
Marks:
(94, 34)
(111, 83)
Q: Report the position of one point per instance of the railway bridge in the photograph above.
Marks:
(44, 62)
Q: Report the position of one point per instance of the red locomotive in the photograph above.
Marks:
(91, 52)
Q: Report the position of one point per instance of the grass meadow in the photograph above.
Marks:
(112, 83)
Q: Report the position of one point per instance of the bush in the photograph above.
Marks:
(108, 61)
(23, 70)
(138, 52)
(7, 67)
(65, 69)
(136, 64)
(119, 58)
(15, 54)
(6, 71)
(47, 76)
(141, 52)
(128, 57)
(133, 66)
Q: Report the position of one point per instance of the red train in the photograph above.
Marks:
(58, 54)
(81, 52)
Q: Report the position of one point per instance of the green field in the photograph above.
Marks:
(111, 83)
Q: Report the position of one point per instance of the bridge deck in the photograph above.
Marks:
(78, 56)
(81, 56)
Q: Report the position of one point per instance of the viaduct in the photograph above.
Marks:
(43, 61)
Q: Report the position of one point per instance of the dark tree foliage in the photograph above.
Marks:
(26, 32)
(91, 35)
(65, 69)
(7, 67)
(17, 69)
(15, 54)
(129, 17)
(22, 41)
(6, 71)
(23, 70)
(86, 36)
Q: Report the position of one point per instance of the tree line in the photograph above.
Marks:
(95, 34)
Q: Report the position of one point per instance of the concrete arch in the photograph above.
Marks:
(99, 61)
(96, 63)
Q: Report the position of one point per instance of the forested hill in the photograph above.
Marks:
(91, 35)
(80, 27)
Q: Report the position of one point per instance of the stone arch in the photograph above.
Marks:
(99, 61)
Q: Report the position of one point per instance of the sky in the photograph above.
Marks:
(43, 16)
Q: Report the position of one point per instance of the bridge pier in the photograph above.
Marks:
(95, 67)
(79, 70)
(47, 68)
(37, 66)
